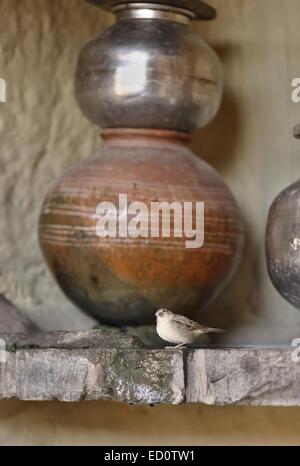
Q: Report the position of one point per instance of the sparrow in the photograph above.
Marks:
(180, 330)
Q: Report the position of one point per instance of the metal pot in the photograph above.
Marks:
(283, 242)
(149, 70)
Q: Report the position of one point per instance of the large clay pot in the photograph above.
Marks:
(125, 280)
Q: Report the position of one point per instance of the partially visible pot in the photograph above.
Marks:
(283, 241)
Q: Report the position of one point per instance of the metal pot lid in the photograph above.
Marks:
(200, 9)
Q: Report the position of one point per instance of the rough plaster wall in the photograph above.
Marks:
(42, 131)
(251, 143)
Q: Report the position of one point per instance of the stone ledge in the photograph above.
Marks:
(78, 366)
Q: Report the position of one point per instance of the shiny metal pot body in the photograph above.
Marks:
(149, 73)
(283, 244)
(283, 241)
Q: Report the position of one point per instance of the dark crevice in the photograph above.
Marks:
(185, 355)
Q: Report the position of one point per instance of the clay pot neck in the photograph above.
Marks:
(144, 136)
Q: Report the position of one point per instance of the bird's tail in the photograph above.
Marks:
(216, 330)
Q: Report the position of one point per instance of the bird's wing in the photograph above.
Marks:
(185, 322)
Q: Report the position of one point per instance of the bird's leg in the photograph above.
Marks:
(180, 346)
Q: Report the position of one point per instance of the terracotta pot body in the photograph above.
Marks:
(283, 244)
(124, 280)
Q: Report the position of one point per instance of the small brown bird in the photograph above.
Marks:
(180, 330)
